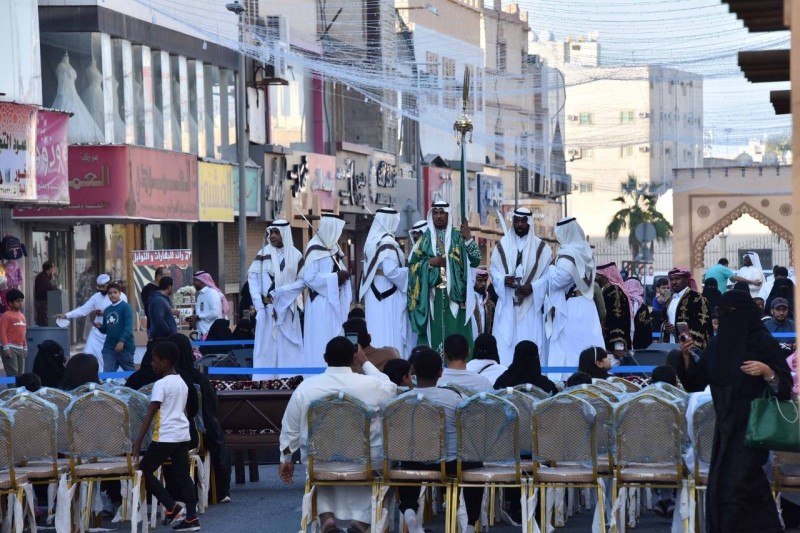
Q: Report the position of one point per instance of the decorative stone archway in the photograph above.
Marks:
(708, 200)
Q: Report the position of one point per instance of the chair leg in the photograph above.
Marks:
(614, 489)
(601, 503)
(252, 457)
(543, 507)
(238, 466)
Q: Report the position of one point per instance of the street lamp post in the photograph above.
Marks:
(241, 137)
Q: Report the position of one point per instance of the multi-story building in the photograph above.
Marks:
(635, 120)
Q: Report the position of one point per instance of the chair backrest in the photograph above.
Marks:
(611, 396)
(627, 385)
(609, 386)
(99, 426)
(648, 430)
(525, 405)
(8, 393)
(704, 421)
(87, 387)
(61, 400)
(147, 390)
(781, 461)
(338, 431)
(487, 429)
(672, 389)
(604, 418)
(6, 449)
(34, 436)
(564, 431)
(413, 430)
(137, 410)
(533, 390)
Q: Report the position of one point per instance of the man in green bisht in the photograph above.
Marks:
(440, 278)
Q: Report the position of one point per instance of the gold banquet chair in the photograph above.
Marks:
(565, 450)
(414, 432)
(604, 425)
(677, 392)
(34, 442)
(100, 450)
(704, 421)
(14, 486)
(61, 400)
(605, 392)
(7, 394)
(648, 430)
(487, 431)
(625, 384)
(533, 390)
(338, 450)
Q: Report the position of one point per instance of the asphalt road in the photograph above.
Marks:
(270, 506)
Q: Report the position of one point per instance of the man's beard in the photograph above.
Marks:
(104, 292)
(482, 292)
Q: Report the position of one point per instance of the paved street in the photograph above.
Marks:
(269, 506)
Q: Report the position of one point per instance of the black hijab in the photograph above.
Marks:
(525, 368)
(49, 363)
(485, 348)
(145, 375)
(741, 337)
(711, 293)
(81, 368)
(781, 288)
(220, 330)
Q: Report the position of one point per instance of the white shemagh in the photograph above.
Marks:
(419, 225)
(576, 250)
(271, 257)
(326, 242)
(380, 245)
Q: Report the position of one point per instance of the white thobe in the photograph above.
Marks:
(95, 340)
(752, 273)
(208, 308)
(387, 320)
(766, 288)
(374, 389)
(279, 337)
(487, 368)
(325, 314)
(575, 325)
(480, 305)
(672, 311)
(510, 329)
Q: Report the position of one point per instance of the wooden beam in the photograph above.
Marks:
(759, 15)
(765, 65)
(781, 101)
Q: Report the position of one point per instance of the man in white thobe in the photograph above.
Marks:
(210, 303)
(571, 320)
(384, 283)
(329, 290)
(751, 273)
(518, 260)
(483, 314)
(93, 309)
(374, 389)
(275, 284)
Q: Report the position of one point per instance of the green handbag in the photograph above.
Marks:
(773, 425)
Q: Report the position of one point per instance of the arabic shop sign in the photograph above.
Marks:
(215, 189)
(17, 152)
(364, 189)
(252, 186)
(51, 158)
(316, 172)
(126, 182)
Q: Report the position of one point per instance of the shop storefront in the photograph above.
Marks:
(122, 198)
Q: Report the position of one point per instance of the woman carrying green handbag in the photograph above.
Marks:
(741, 364)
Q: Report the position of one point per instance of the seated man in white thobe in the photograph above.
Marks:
(456, 353)
(93, 309)
(373, 388)
(518, 260)
(275, 283)
(384, 283)
(329, 291)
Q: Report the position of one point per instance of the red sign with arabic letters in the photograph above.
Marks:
(126, 182)
(51, 158)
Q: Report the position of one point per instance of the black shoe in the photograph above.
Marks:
(188, 524)
(660, 508)
(173, 515)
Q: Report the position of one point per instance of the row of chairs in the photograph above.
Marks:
(75, 440)
(571, 440)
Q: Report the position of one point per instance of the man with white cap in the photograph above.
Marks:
(329, 290)
(571, 320)
(438, 287)
(751, 273)
(275, 284)
(93, 308)
(415, 234)
(384, 283)
(518, 260)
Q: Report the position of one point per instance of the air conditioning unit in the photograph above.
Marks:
(572, 117)
(644, 114)
(644, 148)
(277, 45)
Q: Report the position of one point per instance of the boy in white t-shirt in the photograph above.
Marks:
(171, 439)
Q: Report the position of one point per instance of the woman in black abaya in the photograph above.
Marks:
(525, 368)
(741, 363)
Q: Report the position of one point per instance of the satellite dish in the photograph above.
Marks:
(645, 232)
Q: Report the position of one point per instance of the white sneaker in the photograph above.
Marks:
(226, 499)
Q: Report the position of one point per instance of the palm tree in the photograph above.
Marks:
(639, 206)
